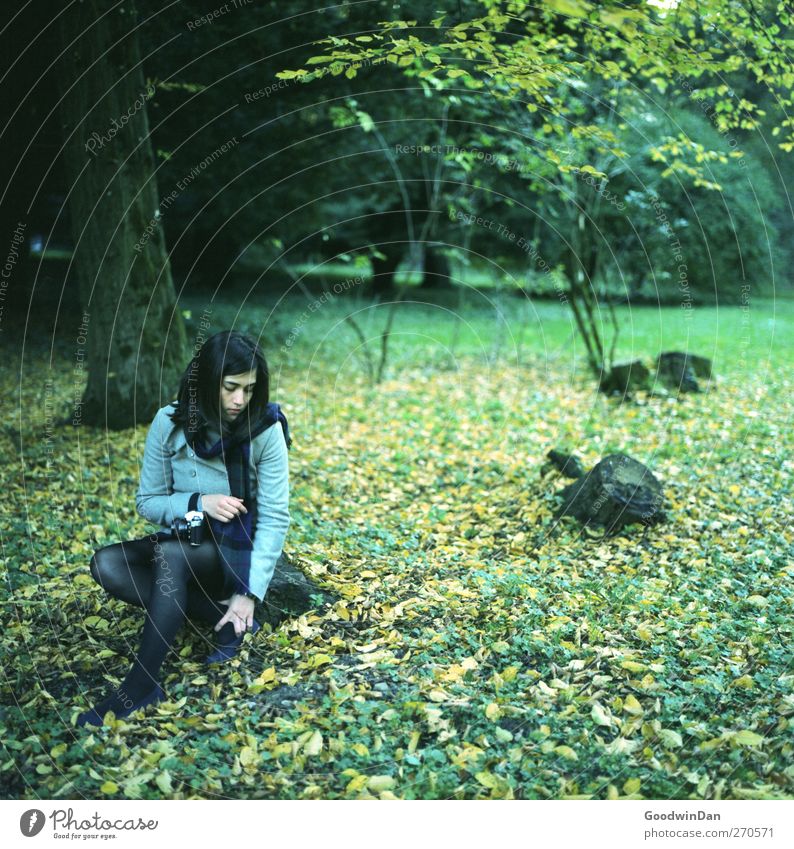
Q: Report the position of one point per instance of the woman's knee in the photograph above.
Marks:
(104, 567)
(111, 566)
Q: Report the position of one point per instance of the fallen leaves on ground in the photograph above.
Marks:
(479, 647)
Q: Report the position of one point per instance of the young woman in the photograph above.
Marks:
(220, 449)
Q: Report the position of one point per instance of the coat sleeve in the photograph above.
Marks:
(272, 507)
(156, 499)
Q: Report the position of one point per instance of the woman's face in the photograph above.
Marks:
(236, 391)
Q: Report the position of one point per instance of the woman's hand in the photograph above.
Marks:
(224, 508)
(240, 612)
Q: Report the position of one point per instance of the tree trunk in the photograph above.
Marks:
(383, 270)
(135, 339)
(436, 272)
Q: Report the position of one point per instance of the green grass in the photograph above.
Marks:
(438, 329)
(480, 647)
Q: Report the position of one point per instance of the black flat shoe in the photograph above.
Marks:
(92, 717)
(229, 650)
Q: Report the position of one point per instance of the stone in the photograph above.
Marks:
(618, 491)
(290, 594)
(680, 370)
(568, 465)
(626, 377)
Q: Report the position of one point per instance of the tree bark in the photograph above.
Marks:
(135, 339)
(383, 271)
(436, 271)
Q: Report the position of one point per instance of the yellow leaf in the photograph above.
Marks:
(566, 752)
(757, 601)
(612, 792)
(487, 779)
(500, 646)
(163, 781)
(356, 784)
(633, 666)
(438, 695)
(247, 756)
(379, 783)
(747, 738)
(314, 744)
(510, 673)
(632, 706)
(746, 682)
(414, 742)
(632, 785)
(600, 715)
(109, 787)
(670, 739)
(493, 711)
(621, 746)
(468, 754)
(454, 673)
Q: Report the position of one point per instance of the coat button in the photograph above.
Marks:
(193, 473)
(191, 454)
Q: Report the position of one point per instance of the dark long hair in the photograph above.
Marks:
(198, 400)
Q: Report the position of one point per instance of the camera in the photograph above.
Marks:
(190, 527)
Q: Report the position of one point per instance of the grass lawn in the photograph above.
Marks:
(478, 647)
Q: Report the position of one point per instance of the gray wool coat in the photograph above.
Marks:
(171, 472)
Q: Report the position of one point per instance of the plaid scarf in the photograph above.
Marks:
(235, 538)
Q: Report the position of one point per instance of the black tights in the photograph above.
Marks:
(170, 579)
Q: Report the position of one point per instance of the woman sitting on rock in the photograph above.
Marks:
(216, 458)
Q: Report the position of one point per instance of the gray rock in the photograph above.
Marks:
(618, 491)
(290, 594)
(680, 370)
(626, 377)
(568, 465)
